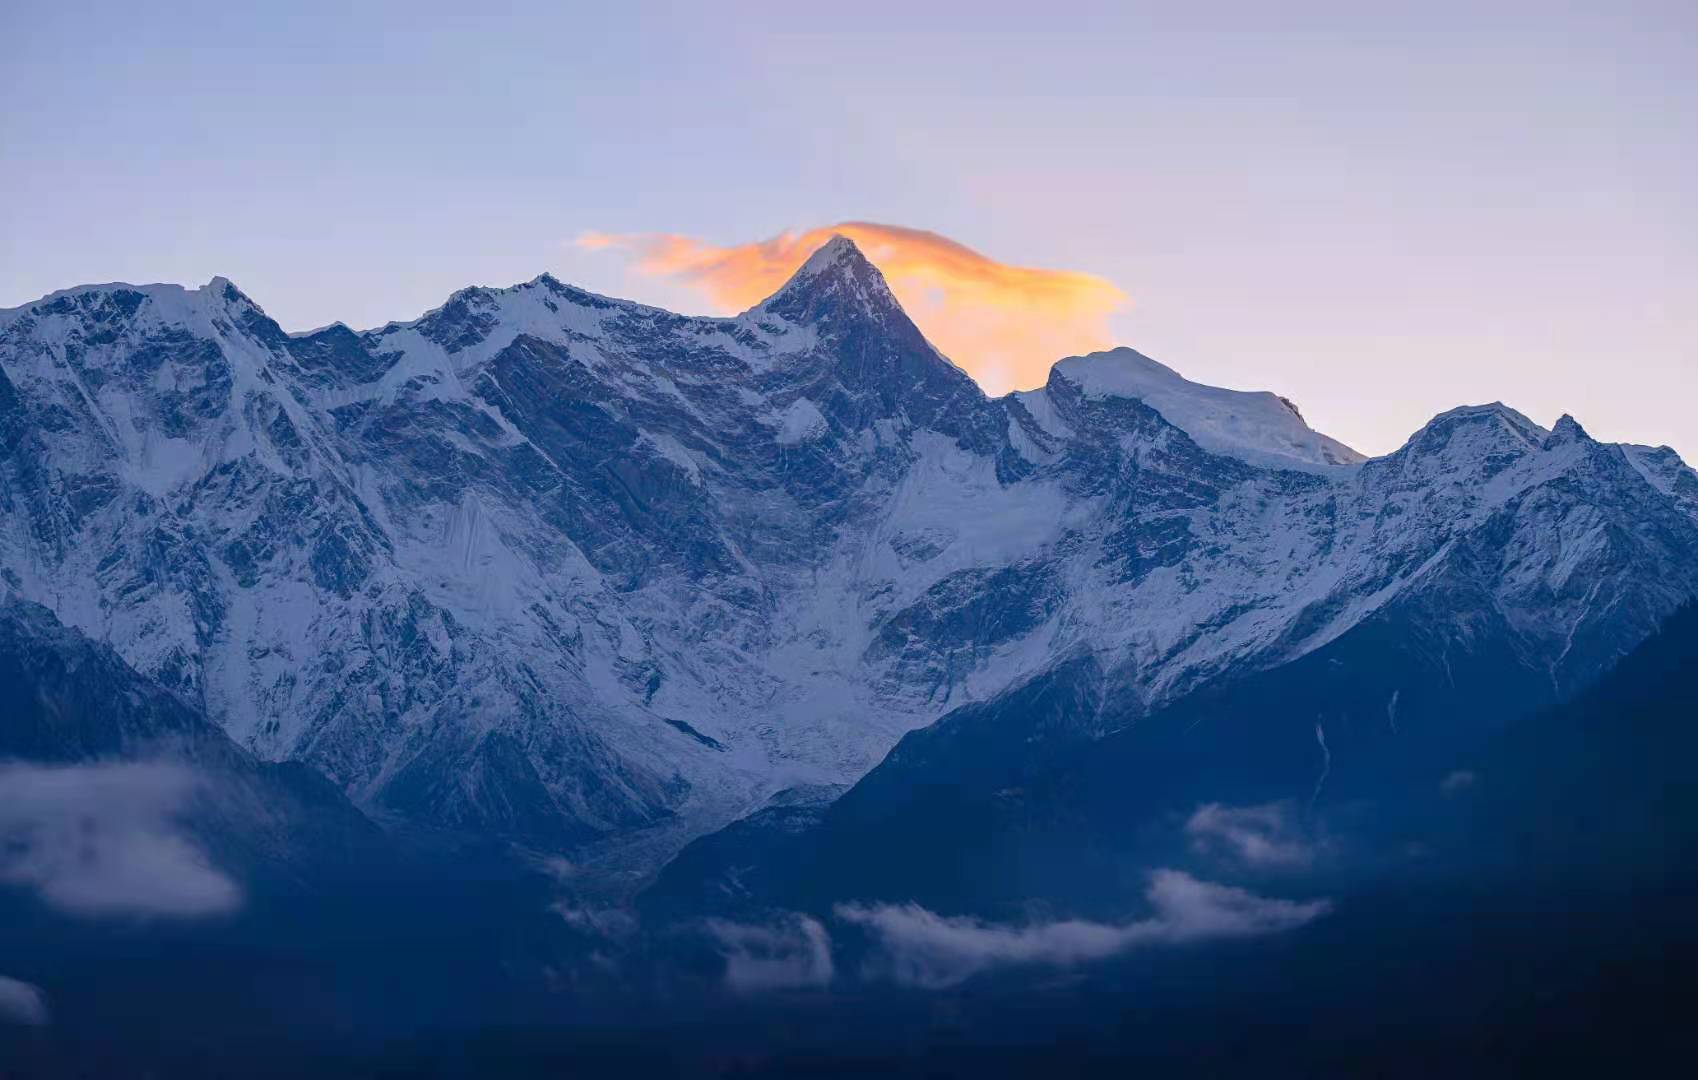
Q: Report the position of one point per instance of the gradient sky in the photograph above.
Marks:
(1379, 210)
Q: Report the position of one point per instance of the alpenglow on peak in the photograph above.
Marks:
(835, 275)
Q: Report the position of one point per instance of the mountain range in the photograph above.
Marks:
(601, 579)
(553, 681)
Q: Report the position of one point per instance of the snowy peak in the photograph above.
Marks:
(836, 279)
(1470, 438)
(1566, 431)
(1495, 416)
(866, 363)
(1493, 452)
(838, 260)
(1663, 469)
(225, 290)
(168, 300)
(839, 251)
(117, 315)
(1261, 428)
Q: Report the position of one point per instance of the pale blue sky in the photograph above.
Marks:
(1378, 210)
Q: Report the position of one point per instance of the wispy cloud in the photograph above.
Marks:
(1457, 782)
(1004, 324)
(918, 947)
(22, 1003)
(105, 840)
(607, 922)
(1267, 836)
(791, 954)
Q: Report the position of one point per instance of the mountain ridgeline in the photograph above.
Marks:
(601, 579)
(554, 682)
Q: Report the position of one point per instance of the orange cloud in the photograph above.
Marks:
(1004, 324)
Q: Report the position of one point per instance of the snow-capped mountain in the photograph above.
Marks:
(565, 567)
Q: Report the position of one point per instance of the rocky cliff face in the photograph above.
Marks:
(571, 569)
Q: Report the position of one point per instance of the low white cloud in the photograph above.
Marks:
(1457, 782)
(793, 953)
(918, 947)
(1267, 836)
(22, 1003)
(607, 922)
(558, 867)
(105, 840)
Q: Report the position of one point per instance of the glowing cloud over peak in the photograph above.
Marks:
(1004, 324)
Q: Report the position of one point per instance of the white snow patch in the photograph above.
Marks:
(800, 421)
(1260, 427)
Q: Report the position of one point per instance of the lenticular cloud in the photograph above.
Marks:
(918, 947)
(1005, 325)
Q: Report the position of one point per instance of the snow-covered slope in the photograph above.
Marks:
(587, 572)
(1262, 428)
